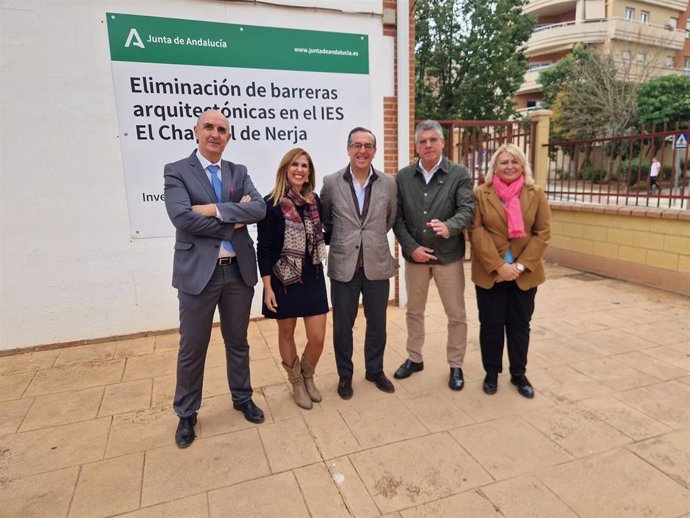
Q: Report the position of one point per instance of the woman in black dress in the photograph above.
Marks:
(290, 251)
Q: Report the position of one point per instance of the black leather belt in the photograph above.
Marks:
(226, 260)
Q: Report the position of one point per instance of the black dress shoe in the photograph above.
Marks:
(490, 385)
(523, 385)
(382, 382)
(407, 368)
(252, 413)
(457, 380)
(345, 387)
(184, 435)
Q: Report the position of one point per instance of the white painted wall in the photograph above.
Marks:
(68, 267)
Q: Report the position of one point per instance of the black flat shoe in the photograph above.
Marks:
(184, 435)
(524, 387)
(345, 387)
(407, 368)
(381, 381)
(252, 413)
(490, 385)
(456, 381)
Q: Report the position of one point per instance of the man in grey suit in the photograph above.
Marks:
(358, 209)
(210, 201)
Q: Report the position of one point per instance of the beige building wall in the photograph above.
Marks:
(602, 23)
(637, 244)
(659, 12)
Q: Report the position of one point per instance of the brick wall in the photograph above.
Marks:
(644, 245)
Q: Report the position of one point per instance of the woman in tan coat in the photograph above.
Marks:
(509, 233)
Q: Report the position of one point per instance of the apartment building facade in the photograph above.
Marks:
(649, 35)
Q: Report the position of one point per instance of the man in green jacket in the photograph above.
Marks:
(435, 205)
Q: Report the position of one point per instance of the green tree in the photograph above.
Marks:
(664, 99)
(591, 95)
(553, 78)
(469, 57)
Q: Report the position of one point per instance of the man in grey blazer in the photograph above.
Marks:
(358, 209)
(210, 201)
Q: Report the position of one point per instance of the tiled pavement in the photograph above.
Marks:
(88, 431)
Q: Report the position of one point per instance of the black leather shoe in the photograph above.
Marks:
(345, 387)
(382, 382)
(490, 385)
(457, 380)
(252, 413)
(523, 385)
(184, 435)
(407, 368)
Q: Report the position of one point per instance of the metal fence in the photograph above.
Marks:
(473, 142)
(616, 170)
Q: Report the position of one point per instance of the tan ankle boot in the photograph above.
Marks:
(299, 392)
(308, 375)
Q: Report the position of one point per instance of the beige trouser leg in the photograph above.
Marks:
(417, 277)
(450, 282)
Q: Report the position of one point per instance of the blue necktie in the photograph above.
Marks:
(213, 169)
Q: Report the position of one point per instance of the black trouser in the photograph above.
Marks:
(505, 309)
(345, 302)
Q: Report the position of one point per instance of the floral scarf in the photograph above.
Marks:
(299, 235)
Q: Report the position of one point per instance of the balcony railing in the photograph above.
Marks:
(545, 26)
(565, 35)
(626, 71)
(530, 82)
(647, 34)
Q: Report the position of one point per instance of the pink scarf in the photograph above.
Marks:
(510, 196)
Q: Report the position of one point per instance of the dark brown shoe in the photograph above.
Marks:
(345, 387)
(381, 381)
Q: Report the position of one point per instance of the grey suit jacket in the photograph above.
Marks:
(198, 238)
(340, 218)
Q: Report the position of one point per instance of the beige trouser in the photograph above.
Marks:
(450, 282)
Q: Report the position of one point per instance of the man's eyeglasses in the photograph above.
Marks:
(359, 146)
(432, 140)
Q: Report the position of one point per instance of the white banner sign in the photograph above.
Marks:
(280, 88)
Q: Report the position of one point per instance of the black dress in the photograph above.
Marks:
(301, 299)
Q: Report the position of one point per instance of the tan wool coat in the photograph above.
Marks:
(489, 236)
